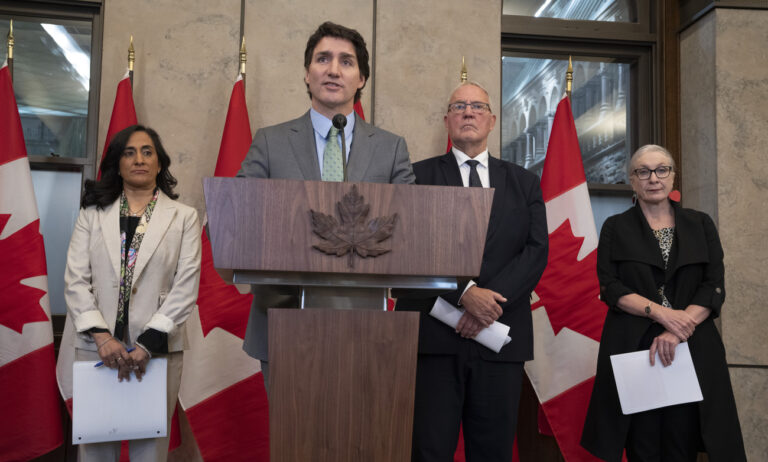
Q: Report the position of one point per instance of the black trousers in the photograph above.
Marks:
(669, 434)
(452, 390)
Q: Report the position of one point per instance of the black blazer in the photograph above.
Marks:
(629, 261)
(513, 260)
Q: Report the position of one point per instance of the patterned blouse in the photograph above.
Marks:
(665, 236)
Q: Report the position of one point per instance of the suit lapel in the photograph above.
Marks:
(162, 216)
(360, 151)
(302, 139)
(498, 180)
(691, 248)
(109, 219)
(450, 170)
(636, 242)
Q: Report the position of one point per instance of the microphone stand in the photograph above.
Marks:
(339, 121)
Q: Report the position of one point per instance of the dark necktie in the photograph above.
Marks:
(474, 178)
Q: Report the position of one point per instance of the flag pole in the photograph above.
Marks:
(243, 59)
(131, 60)
(463, 75)
(569, 79)
(10, 43)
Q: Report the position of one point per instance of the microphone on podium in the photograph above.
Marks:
(340, 121)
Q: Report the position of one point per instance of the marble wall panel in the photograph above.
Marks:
(742, 178)
(419, 46)
(697, 100)
(186, 62)
(750, 388)
(276, 35)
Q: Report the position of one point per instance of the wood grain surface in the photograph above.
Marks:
(265, 225)
(341, 385)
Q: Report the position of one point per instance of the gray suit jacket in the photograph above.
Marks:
(288, 151)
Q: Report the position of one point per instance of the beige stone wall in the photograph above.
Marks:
(724, 97)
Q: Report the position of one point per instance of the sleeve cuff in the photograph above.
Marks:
(154, 341)
(88, 320)
(470, 284)
(161, 323)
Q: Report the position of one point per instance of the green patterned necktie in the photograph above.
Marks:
(333, 170)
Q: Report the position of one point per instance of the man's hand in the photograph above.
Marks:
(483, 304)
(469, 326)
(665, 344)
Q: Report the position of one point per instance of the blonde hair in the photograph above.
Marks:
(649, 148)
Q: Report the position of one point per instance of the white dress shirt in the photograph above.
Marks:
(482, 167)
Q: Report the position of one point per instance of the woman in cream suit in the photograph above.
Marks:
(133, 271)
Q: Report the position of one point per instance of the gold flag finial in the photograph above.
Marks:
(569, 78)
(131, 55)
(243, 56)
(463, 71)
(10, 41)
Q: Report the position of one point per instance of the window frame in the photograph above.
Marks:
(78, 10)
(637, 43)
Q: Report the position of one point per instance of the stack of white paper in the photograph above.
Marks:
(104, 409)
(493, 337)
(643, 387)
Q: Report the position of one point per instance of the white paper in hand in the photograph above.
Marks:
(643, 387)
(493, 337)
(104, 409)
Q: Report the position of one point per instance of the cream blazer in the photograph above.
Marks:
(165, 279)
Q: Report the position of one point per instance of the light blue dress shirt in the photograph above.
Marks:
(322, 126)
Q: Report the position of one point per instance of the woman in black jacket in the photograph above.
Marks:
(661, 273)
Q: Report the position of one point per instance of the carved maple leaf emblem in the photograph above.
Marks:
(352, 235)
(22, 256)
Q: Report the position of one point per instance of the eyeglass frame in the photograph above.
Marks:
(653, 172)
(484, 107)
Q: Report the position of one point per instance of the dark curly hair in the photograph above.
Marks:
(329, 29)
(107, 189)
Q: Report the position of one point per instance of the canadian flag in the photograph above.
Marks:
(30, 422)
(123, 112)
(567, 312)
(222, 388)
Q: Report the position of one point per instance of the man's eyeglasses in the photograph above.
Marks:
(476, 106)
(645, 173)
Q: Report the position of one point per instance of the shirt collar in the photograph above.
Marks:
(323, 124)
(461, 158)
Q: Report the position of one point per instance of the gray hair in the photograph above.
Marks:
(649, 148)
(474, 84)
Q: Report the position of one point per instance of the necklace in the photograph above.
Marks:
(137, 213)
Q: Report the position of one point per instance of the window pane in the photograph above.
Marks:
(51, 78)
(532, 88)
(585, 10)
(58, 203)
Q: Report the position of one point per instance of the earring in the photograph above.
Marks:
(634, 198)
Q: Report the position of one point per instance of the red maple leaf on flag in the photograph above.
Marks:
(23, 256)
(221, 304)
(567, 283)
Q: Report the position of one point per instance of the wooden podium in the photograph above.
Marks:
(341, 385)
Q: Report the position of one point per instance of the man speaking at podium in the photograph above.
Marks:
(309, 148)
(459, 381)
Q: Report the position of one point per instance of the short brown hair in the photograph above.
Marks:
(329, 29)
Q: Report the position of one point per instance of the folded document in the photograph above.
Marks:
(643, 387)
(107, 410)
(493, 337)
